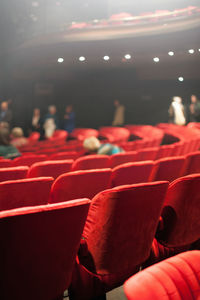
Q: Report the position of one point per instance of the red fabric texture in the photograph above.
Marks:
(122, 158)
(5, 163)
(38, 249)
(131, 173)
(80, 184)
(168, 168)
(119, 231)
(181, 212)
(193, 163)
(164, 151)
(13, 173)
(91, 162)
(50, 168)
(24, 192)
(173, 279)
(27, 160)
(83, 133)
(148, 154)
(64, 155)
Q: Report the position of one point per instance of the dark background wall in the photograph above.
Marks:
(92, 93)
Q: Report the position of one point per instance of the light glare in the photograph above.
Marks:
(60, 60)
(81, 58)
(170, 53)
(191, 51)
(127, 56)
(181, 79)
(156, 59)
(106, 57)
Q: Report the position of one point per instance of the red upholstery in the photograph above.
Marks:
(119, 230)
(168, 168)
(175, 278)
(148, 154)
(24, 192)
(83, 133)
(114, 134)
(91, 162)
(131, 173)
(34, 136)
(192, 163)
(50, 168)
(27, 160)
(122, 158)
(80, 184)
(5, 163)
(38, 249)
(165, 151)
(13, 173)
(64, 155)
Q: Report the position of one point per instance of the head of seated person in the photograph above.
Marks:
(6, 149)
(18, 138)
(93, 146)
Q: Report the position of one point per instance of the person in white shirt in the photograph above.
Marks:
(119, 114)
(177, 111)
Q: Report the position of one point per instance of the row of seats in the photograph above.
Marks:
(126, 228)
(126, 173)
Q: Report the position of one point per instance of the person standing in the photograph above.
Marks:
(119, 114)
(69, 119)
(50, 123)
(36, 120)
(5, 113)
(194, 109)
(177, 111)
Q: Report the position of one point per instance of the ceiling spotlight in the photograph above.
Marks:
(199, 50)
(170, 53)
(127, 56)
(191, 51)
(181, 79)
(156, 59)
(60, 60)
(106, 57)
(81, 58)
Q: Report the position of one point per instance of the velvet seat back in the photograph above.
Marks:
(193, 163)
(181, 211)
(148, 154)
(50, 168)
(38, 249)
(121, 225)
(175, 278)
(131, 173)
(13, 173)
(122, 158)
(168, 168)
(91, 162)
(80, 184)
(28, 160)
(24, 192)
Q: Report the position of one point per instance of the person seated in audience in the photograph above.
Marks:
(69, 119)
(194, 109)
(50, 123)
(6, 149)
(119, 114)
(93, 146)
(5, 113)
(177, 112)
(18, 139)
(36, 120)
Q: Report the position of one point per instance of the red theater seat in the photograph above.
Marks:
(24, 192)
(122, 158)
(91, 162)
(13, 173)
(82, 133)
(148, 154)
(118, 234)
(5, 163)
(34, 137)
(64, 155)
(38, 250)
(192, 164)
(131, 173)
(27, 160)
(168, 168)
(165, 151)
(50, 168)
(175, 278)
(80, 184)
(180, 219)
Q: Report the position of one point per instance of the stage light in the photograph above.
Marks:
(127, 56)
(191, 51)
(60, 60)
(106, 57)
(81, 58)
(156, 59)
(181, 79)
(199, 50)
(170, 53)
